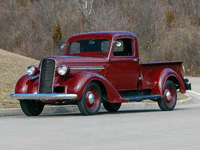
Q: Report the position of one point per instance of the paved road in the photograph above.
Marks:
(195, 92)
(132, 129)
(139, 129)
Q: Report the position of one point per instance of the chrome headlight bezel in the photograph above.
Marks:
(30, 70)
(62, 70)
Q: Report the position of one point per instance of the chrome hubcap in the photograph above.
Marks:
(168, 95)
(91, 98)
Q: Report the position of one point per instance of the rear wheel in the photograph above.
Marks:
(91, 100)
(168, 102)
(112, 107)
(31, 107)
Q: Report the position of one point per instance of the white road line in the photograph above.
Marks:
(194, 92)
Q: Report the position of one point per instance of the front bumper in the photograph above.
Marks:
(43, 97)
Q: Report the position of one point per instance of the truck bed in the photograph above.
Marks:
(148, 70)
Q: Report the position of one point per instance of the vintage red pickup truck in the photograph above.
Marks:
(99, 67)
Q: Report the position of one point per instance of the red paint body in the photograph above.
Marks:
(113, 73)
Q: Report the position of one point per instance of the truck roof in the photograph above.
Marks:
(107, 34)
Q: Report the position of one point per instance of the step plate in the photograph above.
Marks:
(144, 97)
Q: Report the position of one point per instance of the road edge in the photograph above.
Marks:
(74, 109)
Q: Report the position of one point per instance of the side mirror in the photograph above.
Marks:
(62, 46)
(118, 44)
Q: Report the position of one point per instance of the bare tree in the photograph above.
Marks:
(166, 30)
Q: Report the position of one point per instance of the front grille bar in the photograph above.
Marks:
(47, 76)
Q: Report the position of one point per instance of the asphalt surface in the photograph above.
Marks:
(135, 126)
(131, 129)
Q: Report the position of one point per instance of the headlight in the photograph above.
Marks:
(30, 70)
(62, 70)
(183, 68)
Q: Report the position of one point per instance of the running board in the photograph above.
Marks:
(143, 97)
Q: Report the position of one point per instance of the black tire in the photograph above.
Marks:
(112, 107)
(31, 107)
(90, 105)
(168, 104)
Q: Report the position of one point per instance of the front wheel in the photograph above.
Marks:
(31, 107)
(112, 107)
(168, 102)
(90, 102)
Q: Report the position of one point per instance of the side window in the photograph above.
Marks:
(75, 47)
(123, 47)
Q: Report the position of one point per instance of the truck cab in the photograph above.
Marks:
(99, 67)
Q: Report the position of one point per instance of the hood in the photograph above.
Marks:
(77, 60)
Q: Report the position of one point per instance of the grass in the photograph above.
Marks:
(12, 67)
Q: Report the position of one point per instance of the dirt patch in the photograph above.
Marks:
(181, 96)
(12, 67)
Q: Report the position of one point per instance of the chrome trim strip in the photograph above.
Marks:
(89, 68)
(40, 65)
(34, 77)
(43, 97)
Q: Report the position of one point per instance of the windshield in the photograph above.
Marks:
(95, 45)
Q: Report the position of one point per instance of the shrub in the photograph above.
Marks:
(57, 34)
(169, 18)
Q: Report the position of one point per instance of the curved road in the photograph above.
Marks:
(149, 129)
(195, 92)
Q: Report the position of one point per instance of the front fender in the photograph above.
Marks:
(80, 81)
(26, 86)
(161, 76)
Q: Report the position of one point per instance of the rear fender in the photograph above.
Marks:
(161, 76)
(81, 80)
(26, 86)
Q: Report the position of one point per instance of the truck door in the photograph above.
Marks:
(123, 69)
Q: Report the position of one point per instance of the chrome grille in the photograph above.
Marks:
(46, 76)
